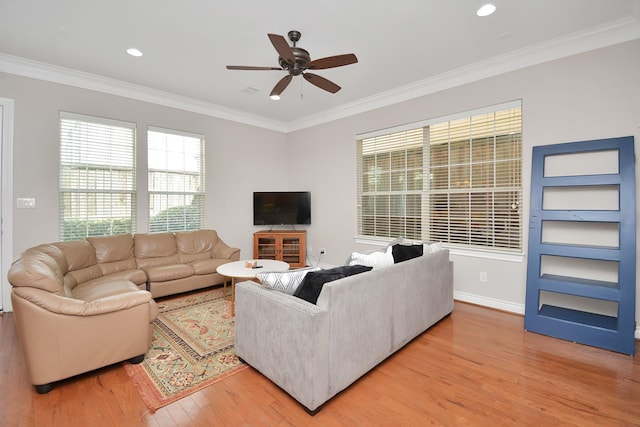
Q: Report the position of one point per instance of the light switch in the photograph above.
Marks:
(26, 203)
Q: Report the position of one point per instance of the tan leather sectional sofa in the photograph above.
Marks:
(81, 305)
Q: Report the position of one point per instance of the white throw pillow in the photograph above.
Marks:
(284, 281)
(428, 248)
(375, 259)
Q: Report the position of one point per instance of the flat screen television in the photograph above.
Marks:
(281, 207)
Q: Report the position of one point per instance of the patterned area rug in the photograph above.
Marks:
(192, 348)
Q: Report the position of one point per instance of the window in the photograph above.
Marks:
(97, 176)
(456, 180)
(176, 180)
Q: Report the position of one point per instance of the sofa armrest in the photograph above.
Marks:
(74, 307)
(223, 251)
(286, 339)
(62, 337)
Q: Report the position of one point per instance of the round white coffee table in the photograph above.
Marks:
(239, 270)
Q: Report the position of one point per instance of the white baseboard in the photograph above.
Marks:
(502, 305)
(489, 302)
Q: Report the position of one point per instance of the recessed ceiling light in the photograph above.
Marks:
(275, 97)
(486, 9)
(134, 52)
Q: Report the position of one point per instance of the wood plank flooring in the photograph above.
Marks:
(477, 367)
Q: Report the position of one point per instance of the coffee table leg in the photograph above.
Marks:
(233, 297)
(224, 287)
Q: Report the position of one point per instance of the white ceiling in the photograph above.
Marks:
(406, 48)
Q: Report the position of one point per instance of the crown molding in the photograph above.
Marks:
(52, 73)
(608, 34)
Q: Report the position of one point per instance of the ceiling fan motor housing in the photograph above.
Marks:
(302, 58)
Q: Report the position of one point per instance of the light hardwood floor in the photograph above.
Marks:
(476, 367)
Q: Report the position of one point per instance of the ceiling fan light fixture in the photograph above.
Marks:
(486, 10)
(275, 97)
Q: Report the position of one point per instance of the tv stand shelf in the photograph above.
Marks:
(282, 245)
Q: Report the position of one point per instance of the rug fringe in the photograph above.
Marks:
(154, 401)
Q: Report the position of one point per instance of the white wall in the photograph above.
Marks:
(588, 96)
(239, 158)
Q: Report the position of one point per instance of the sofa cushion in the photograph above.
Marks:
(137, 277)
(78, 253)
(91, 291)
(144, 263)
(112, 248)
(284, 281)
(406, 252)
(207, 266)
(163, 273)
(75, 277)
(189, 258)
(311, 285)
(155, 245)
(197, 241)
(116, 266)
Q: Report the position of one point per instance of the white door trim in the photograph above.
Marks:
(6, 200)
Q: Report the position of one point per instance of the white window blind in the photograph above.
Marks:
(176, 180)
(454, 180)
(97, 176)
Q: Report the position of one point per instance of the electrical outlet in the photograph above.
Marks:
(323, 251)
(483, 277)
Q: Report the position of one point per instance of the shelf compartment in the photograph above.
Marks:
(580, 268)
(579, 317)
(580, 287)
(582, 197)
(597, 162)
(603, 235)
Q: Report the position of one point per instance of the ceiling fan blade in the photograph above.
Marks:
(321, 82)
(332, 61)
(248, 67)
(282, 47)
(281, 85)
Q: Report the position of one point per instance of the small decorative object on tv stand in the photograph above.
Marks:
(282, 245)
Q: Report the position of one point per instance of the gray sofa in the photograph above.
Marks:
(315, 351)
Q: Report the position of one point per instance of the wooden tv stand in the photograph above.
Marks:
(289, 246)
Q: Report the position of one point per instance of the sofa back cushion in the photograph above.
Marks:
(196, 242)
(112, 248)
(313, 281)
(155, 245)
(78, 253)
(54, 252)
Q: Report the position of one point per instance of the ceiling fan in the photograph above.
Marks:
(296, 61)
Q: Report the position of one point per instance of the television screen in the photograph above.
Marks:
(281, 207)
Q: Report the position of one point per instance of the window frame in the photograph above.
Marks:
(89, 158)
(511, 252)
(196, 195)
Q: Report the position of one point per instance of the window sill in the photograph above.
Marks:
(454, 250)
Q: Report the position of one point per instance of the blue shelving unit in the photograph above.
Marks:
(612, 332)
